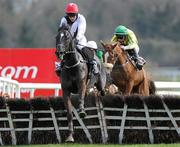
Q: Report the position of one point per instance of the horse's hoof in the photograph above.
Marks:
(70, 139)
(82, 114)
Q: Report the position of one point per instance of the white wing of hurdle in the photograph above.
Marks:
(10, 87)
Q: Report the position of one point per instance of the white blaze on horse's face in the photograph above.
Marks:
(61, 44)
(62, 34)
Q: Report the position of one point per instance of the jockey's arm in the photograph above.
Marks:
(81, 28)
(132, 42)
(130, 46)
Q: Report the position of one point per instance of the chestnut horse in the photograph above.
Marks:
(125, 75)
(74, 75)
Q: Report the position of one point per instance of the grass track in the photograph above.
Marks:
(99, 145)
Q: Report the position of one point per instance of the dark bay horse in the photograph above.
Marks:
(74, 75)
(125, 75)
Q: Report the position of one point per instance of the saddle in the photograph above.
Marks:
(137, 60)
(88, 56)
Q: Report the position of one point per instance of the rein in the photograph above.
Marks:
(73, 65)
(124, 64)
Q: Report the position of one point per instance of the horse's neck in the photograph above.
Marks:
(72, 56)
(110, 59)
(122, 58)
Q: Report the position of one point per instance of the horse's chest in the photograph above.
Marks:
(118, 74)
(72, 78)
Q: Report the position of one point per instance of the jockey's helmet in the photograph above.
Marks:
(71, 8)
(92, 44)
(121, 30)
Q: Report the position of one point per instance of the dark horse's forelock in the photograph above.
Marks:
(63, 39)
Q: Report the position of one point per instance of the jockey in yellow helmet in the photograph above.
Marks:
(129, 42)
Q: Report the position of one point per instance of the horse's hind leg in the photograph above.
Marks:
(101, 83)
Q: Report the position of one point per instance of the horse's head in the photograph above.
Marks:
(114, 50)
(120, 55)
(108, 48)
(64, 41)
(118, 50)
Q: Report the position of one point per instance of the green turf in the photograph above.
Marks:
(99, 145)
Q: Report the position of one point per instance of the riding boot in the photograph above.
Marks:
(138, 60)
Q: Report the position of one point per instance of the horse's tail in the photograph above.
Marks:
(152, 87)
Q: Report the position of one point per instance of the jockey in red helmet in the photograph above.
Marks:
(71, 8)
(77, 24)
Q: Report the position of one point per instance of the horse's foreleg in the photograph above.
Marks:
(144, 88)
(128, 88)
(82, 92)
(68, 106)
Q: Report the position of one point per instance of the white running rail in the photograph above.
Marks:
(45, 86)
(13, 88)
(168, 88)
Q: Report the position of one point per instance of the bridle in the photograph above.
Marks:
(60, 46)
(65, 48)
(115, 56)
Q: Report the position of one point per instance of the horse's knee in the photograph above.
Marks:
(69, 116)
(102, 93)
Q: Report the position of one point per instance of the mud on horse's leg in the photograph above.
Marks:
(68, 106)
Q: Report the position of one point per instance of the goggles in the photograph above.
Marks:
(71, 14)
(120, 37)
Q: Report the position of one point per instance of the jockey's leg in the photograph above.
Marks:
(138, 60)
(89, 55)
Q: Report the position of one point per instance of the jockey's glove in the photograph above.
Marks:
(123, 47)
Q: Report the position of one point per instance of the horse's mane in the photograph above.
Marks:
(63, 27)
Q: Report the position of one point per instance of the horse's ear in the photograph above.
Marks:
(102, 43)
(64, 26)
(114, 44)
